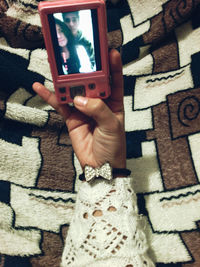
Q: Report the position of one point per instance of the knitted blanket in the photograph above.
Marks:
(160, 47)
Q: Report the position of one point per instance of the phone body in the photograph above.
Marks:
(80, 67)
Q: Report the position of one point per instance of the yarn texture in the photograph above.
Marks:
(105, 229)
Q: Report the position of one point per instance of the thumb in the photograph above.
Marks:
(97, 109)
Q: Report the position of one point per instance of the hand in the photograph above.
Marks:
(96, 127)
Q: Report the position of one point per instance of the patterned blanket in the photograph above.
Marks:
(160, 46)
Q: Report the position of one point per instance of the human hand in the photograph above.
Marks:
(96, 127)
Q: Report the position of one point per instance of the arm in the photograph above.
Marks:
(81, 40)
(105, 228)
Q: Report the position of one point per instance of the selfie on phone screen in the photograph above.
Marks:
(75, 44)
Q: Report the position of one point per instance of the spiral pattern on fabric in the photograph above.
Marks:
(188, 110)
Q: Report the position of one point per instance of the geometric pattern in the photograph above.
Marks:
(159, 44)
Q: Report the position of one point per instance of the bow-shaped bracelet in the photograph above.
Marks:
(105, 171)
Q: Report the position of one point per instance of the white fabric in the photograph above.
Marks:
(105, 229)
(84, 59)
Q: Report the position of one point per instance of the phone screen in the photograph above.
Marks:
(75, 39)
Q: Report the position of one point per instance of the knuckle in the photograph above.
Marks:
(98, 106)
(116, 126)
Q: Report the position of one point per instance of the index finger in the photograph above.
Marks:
(50, 98)
(115, 101)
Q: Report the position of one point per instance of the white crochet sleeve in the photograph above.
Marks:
(105, 230)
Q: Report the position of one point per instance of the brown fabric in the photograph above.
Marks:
(174, 13)
(55, 142)
(166, 56)
(172, 152)
(52, 248)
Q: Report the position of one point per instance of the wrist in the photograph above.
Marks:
(120, 172)
(105, 171)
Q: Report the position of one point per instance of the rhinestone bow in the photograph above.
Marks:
(105, 171)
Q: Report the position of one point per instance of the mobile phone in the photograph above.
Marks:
(75, 35)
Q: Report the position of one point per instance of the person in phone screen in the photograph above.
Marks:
(69, 57)
(72, 21)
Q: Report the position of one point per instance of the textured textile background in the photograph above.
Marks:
(160, 46)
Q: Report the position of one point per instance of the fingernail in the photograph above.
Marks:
(80, 100)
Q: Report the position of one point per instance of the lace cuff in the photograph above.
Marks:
(105, 229)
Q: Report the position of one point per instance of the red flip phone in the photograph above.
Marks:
(75, 34)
